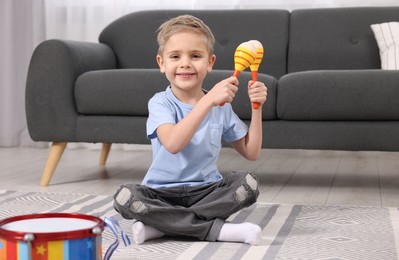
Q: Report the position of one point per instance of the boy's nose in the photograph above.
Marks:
(185, 62)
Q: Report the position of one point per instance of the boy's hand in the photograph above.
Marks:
(224, 91)
(257, 92)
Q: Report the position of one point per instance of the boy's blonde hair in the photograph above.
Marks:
(184, 23)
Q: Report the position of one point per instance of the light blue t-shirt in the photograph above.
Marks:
(196, 164)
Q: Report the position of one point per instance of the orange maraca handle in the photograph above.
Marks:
(236, 73)
(255, 65)
(255, 105)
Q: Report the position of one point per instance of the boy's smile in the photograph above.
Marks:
(185, 61)
(185, 75)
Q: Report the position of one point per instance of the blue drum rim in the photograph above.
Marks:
(51, 236)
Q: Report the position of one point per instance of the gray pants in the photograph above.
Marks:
(198, 212)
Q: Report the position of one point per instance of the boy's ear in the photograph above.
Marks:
(160, 63)
(212, 60)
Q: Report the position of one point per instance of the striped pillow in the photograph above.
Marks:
(387, 36)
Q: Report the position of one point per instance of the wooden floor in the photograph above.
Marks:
(286, 176)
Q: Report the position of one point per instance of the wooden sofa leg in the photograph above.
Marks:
(56, 151)
(104, 153)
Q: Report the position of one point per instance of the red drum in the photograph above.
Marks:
(51, 236)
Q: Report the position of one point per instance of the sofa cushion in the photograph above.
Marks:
(117, 92)
(125, 92)
(135, 45)
(336, 38)
(387, 37)
(339, 95)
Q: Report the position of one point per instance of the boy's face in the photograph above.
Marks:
(185, 61)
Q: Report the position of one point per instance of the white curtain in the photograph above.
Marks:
(25, 23)
(84, 20)
(21, 29)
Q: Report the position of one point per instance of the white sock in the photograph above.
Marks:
(142, 233)
(244, 232)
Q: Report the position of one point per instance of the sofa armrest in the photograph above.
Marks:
(49, 101)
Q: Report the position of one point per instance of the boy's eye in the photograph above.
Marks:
(196, 56)
(174, 57)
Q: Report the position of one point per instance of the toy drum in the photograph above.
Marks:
(51, 236)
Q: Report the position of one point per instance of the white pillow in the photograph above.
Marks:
(387, 36)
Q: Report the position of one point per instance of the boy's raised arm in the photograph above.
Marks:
(174, 137)
(250, 145)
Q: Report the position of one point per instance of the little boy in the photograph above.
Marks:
(183, 193)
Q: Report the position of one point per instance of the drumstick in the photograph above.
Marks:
(255, 65)
(244, 55)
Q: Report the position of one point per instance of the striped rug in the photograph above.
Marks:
(289, 231)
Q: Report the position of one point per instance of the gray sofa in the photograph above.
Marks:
(326, 89)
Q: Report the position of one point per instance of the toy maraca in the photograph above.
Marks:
(255, 65)
(244, 56)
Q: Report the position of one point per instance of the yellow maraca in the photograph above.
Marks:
(255, 65)
(244, 56)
